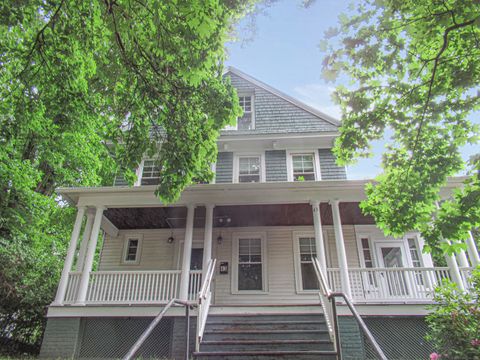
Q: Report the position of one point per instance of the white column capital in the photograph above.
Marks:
(315, 202)
(209, 206)
(334, 202)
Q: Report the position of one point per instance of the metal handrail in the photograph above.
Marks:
(133, 350)
(331, 297)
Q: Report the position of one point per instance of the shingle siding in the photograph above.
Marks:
(275, 115)
(224, 167)
(328, 168)
(276, 165)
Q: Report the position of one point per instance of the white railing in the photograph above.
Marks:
(72, 287)
(204, 300)
(132, 287)
(390, 284)
(325, 300)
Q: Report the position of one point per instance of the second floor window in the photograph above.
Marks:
(246, 121)
(150, 172)
(249, 169)
(303, 166)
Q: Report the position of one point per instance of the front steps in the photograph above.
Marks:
(266, 336)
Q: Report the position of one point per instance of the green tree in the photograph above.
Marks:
(87, 88)
(414, 68)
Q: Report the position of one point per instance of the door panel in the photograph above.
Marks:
(392, 255)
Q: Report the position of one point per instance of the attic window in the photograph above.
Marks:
(150, 172)
(245, 122)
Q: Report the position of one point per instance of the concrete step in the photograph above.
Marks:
(264, 317)
(269, 325)
(266, 355)
(266, 345)
(303, 334)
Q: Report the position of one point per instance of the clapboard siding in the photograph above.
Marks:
(224, 167)
(274, 114)
(328, 167)
(276, 165)
(157, 254)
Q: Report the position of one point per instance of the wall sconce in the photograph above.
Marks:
(171, 239)
(219, 239)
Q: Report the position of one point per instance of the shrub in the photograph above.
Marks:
(454, 323)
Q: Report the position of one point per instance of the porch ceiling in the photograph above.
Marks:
(233, 216)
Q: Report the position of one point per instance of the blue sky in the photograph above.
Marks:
(284, 53)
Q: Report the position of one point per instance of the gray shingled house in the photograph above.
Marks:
(254, 253)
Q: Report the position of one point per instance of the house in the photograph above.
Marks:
(247, 243)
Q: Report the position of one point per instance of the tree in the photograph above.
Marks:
(414, 68)
(86, 89)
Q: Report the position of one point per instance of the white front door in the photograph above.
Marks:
(392, 256)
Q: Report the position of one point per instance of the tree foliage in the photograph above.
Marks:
(87, 88)
(414, 69)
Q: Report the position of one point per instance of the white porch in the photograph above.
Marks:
(393, 271)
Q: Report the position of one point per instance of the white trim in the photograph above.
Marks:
(236, 161)
(262, 235)
(316, 163)
(286, 97)
(138, 254)
(297, 262)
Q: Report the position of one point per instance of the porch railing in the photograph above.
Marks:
(387, 284)
(132, 287)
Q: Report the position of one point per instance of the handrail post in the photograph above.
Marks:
(187, 331)
(337, 335)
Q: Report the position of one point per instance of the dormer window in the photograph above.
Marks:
(150, 172)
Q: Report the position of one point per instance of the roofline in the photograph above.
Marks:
(284, 96)
(276, 136)
(72, 194)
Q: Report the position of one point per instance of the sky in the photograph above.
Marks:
(284, 53)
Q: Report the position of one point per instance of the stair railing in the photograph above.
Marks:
(203, 302)
(327, 305)
(133, 350)
(327, 296)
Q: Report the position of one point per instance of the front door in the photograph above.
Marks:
(196, 260)
(392, 255)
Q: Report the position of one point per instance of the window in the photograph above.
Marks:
(132, 250)
(249, 169)
(303, 167)
(246, 121)
(307, 252)
(367, 254)
(249, 263)
(416, 262)
(150, 172)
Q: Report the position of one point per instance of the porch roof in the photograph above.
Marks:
(230, 194)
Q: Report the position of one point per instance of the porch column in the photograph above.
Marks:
(454, 270)
(342, 255)
(83, 245)
(90, 254)
(67, 266)
(319, 242)
(187, 253)
(462, 259)
(472, 250)
(207, 240)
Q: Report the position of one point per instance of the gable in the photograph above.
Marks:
(276, 112)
